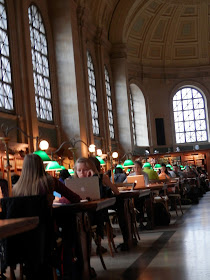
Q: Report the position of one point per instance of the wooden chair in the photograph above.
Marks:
(32, 248)
(174, 196)
(110, 238)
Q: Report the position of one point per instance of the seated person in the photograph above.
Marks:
(138, 171)
(119, 175)
(176, 172)
(164, 174)
(147, 168)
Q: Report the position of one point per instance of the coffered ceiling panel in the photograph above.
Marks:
(157, 32)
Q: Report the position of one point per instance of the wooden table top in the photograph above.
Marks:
(9, 227)
(134, 193)
(94, 205)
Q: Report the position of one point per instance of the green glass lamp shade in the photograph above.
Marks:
(158, 165)
(71, 171)
(182, 167)
(147, 164)
(102, 162)
(53, 166)
(62, 167)
(168, 165)
(128, 163)
(119, 166)
(43, 155)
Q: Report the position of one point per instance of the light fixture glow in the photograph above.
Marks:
(115, 155)
(44, 145)
(92, 148)
(99, 152)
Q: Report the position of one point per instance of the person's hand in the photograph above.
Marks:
(90, 173)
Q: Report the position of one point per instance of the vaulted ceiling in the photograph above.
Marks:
(157, 32)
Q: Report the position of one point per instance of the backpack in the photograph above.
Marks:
(161, 216)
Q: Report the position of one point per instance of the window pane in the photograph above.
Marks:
(186, 93)
(179, 127)
(93, 95)
(180, 137)
(178, 116)
(187, 105)
(189, 126)
(109, 104)
(132, 118)
(40, 65)
(190, 137)
(198, 103)
(189, 116)
(6, 93)
(177, 105)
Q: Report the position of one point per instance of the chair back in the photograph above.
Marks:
(32, 246)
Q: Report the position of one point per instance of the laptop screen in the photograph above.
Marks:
(85, 187)
(138, 179)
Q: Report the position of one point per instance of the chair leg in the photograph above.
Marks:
(110, 238)
(98, 244)
(175, 206)
(180, 205)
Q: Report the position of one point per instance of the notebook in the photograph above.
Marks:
(85, 187)
(138, 179)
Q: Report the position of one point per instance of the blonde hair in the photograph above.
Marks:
(33, 179)
(88, 163)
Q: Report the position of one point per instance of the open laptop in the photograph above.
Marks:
(85, 187)
(138, 180)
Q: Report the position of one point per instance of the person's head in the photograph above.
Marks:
(96, 162)
(175, 168)
(187, 168)
(15, 178)
(64, 174)
(163, 168)
(118, 170)
(137, 167)
(33, 178)
(83, 166)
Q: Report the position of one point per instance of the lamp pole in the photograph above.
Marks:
(5, 140)
(72, 142)
(7, 129)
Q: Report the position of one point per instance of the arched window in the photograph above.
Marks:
(138, 116)
(109, 104)
(6, 94)
(189, 116)
(93, 95)
(132, 117)
(41, 72)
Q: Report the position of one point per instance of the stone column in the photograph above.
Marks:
(66, 33)
(121, 86)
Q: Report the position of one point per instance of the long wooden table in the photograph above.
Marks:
(9, 227)
(130, 220)
(83, 225)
